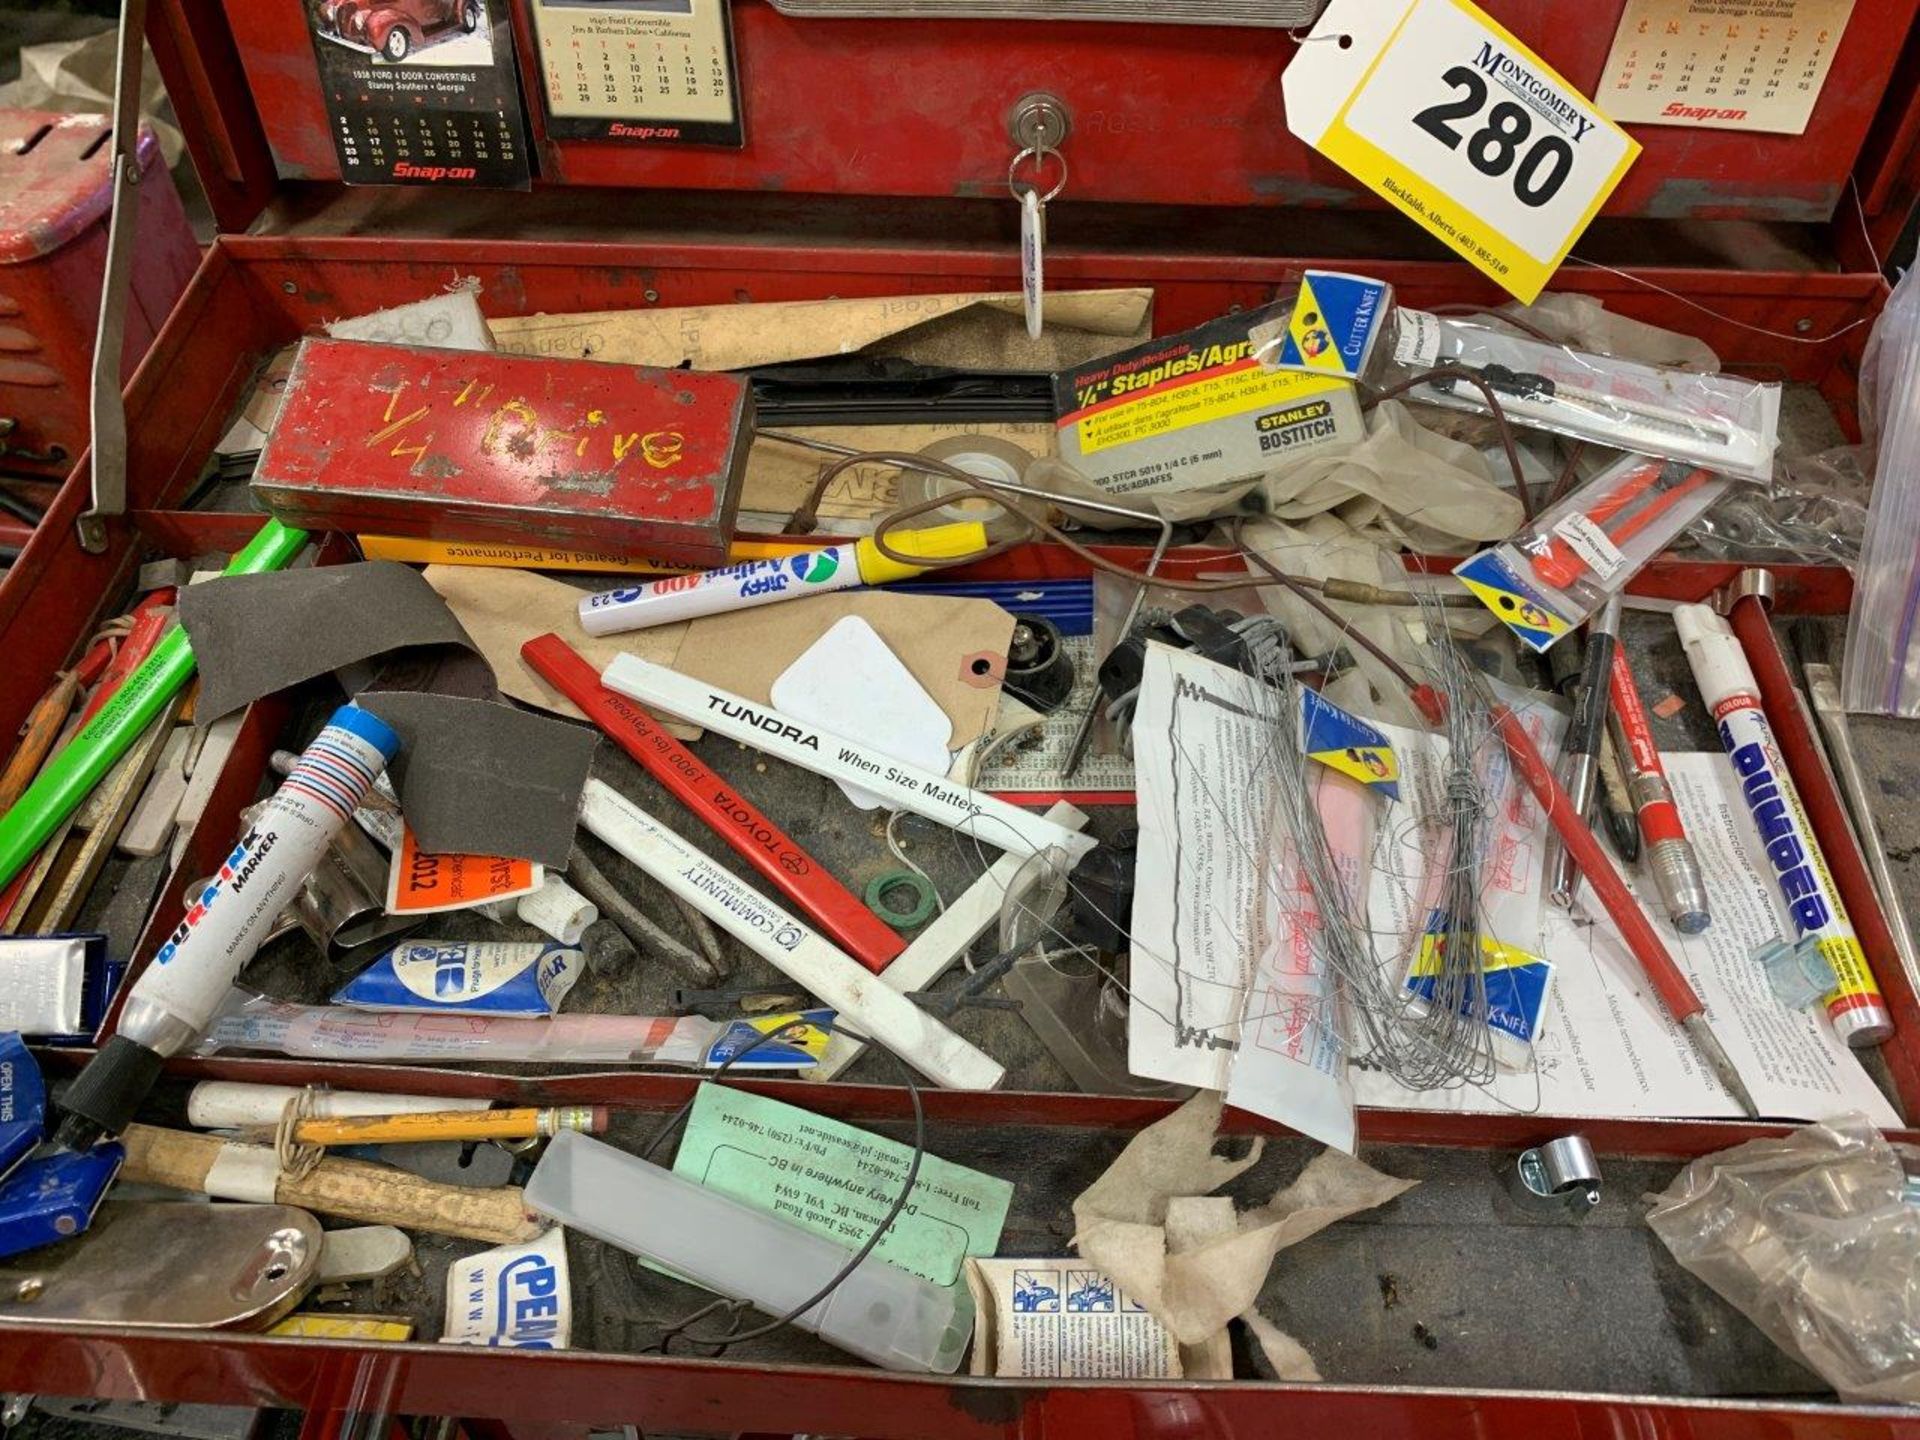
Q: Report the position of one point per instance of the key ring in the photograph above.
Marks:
(1038, 154)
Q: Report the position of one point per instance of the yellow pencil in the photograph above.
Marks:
(505, 554)
(521, 1124)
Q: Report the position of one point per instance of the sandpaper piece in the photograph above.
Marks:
(503, 609)
(955, 646)
(479, 778)
(255, 634)
(434, 670)
(732, 337)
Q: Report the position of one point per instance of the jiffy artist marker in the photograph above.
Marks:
(1720, 668)
(761, 582)
(176, 997)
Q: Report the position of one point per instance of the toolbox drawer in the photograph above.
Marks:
(1367, 1288)
(256, 293)
(1161, 114)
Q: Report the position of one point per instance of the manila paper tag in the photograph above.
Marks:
(1436, 108)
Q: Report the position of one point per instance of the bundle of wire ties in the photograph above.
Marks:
(1434, 1035)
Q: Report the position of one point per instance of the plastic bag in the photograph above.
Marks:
(1810, 1237)
(1586, 324)
(1881, 672)
(1815, 515)
(1568, 561)
(1718, 421)
(1422, 488)
(330, 1032)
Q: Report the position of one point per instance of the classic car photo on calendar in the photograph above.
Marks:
(421, 92)
(432, 32)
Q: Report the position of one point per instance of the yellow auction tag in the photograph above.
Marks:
(1437, 108)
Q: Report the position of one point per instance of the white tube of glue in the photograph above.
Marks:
(1855, 1005)
(176, 996)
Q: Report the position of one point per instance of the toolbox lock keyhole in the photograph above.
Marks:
(1039, 122)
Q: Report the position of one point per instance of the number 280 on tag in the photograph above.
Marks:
(1463, 128)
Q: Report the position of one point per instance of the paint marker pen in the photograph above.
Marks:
(1855, 1006)
(177, 996)
(761, 582)
(1676, 869)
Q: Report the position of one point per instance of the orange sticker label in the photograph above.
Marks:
(421, 882)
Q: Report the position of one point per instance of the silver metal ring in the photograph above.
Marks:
(1038, 154)
(1756, 582)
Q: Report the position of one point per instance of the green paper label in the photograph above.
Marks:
(840, 1182)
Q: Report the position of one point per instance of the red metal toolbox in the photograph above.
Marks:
(1758, 237)
(54, 196)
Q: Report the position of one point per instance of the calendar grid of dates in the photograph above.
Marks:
(639, 70)
(637, 76)
(371, 141)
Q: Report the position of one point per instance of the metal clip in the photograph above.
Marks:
(1562, 1173)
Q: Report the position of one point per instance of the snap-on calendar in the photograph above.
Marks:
(422, 92)
(1722, 64)
(643, 71)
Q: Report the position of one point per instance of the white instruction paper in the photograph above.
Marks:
(1206, 862)
(1230, 993)
(1609, 1048)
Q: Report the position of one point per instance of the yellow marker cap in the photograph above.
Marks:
(936, 542)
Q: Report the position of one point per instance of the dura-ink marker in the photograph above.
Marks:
(176, 997)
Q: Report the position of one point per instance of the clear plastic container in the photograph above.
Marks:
(880, 1313)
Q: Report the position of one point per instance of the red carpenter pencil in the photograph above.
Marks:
(764, 845)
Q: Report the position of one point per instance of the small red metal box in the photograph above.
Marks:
(55, 188)
(458, 445)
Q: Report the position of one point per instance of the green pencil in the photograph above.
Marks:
(71, 775)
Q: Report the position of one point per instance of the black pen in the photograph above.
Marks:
(1562, 666)
(1580, 758)
(1616, 799)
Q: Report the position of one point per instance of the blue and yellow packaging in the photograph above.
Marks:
(467, 977)
(1348, 744)
(1332, 327)
(1517, 982)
